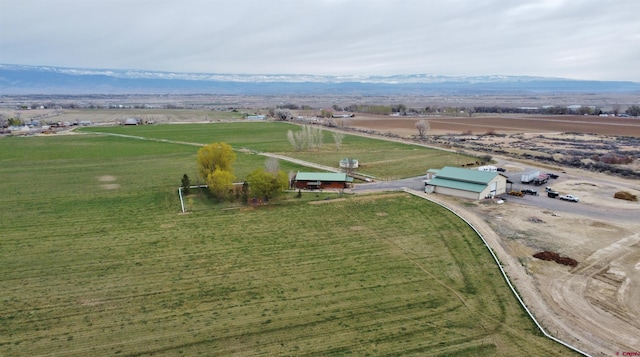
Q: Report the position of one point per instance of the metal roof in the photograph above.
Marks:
(466, 175)
(323, 176)
(458, 185)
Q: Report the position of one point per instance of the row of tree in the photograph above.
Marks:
(283, 113)
(215, 164)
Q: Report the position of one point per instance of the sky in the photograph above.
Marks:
(577, 39)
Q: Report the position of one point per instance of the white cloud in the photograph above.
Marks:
(584, 39)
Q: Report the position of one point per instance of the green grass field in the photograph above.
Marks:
(378, 158)
(95, 259)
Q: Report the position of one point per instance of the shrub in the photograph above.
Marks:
(624, 195)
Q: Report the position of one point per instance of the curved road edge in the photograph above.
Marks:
(483, 230)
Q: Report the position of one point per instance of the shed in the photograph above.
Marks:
(349, 163)
(473, 184)
(322, 180)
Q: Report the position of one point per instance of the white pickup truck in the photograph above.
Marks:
(571, 198)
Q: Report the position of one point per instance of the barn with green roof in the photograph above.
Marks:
(322, 180)
(473, 184)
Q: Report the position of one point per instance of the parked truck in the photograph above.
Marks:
(571, 198)
(528, 176)
(540, 179)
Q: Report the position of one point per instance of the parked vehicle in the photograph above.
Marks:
(571, 198)
(528, 176)
(488, 168)
(552, 176)
(500, 169)
(529, 191)
(540, 179)
(552, 194)
(516, 193)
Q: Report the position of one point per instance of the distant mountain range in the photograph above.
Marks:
(23, 80)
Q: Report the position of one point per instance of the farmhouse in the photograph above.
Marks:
(473, 184)
(322, 180)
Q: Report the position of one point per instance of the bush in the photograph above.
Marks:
(624, 195)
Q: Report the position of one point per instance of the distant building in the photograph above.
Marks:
(256, 117)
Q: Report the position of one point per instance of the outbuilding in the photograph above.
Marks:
(131, 121)
(322, 180)
(472, 184)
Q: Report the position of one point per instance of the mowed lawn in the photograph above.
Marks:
(96, 260)
(379, 158)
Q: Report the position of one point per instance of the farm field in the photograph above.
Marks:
(508, 123)
(378, 158)
(96, 260)
(114, 116)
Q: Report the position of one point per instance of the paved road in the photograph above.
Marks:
(559, 206)
(541, 201)
(414, 183)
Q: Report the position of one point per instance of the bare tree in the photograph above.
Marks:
(296, 140)
(337, 138)
(272, 165)
(307, 138)
(350, 164)
(616, 109)
(317, 135)
(343, 122)
(470, 111)
(423, 128)
(283, 114)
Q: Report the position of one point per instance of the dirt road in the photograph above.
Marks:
(594, 306)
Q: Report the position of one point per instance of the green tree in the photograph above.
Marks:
(245, 191)
(15, 122)
(633, 110)
(265, 184)
(584, 110)
(215, 156)
(220, 184)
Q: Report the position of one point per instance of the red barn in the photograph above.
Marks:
(322, 180)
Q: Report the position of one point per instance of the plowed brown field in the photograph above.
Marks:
(478, 124)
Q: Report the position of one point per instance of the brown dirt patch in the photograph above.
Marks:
(478, 124)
